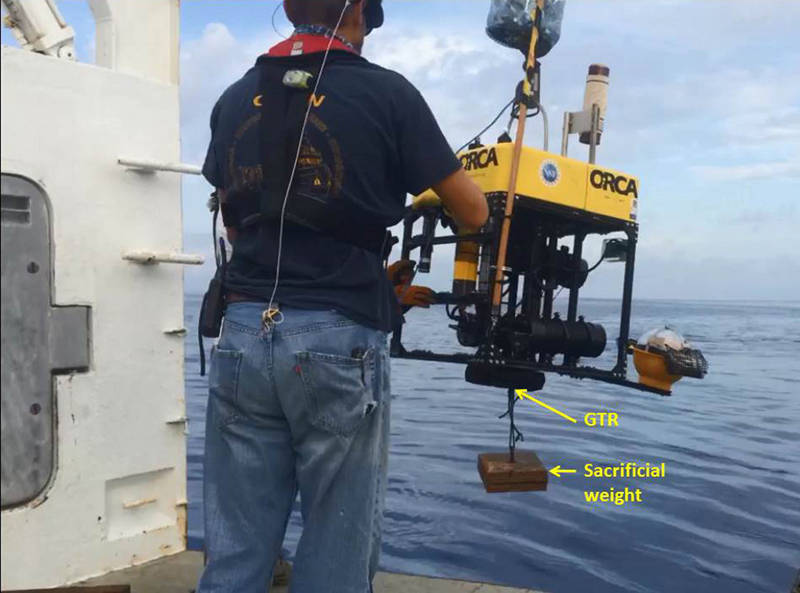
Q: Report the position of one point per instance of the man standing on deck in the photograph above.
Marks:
(299, 382)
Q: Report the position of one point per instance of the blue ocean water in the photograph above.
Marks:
(725, 518)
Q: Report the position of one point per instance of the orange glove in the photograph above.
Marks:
(400, 275)
(401, 272)
(415, 296)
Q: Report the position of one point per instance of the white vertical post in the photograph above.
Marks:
(138, 37)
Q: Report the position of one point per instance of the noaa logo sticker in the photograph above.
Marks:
(549, 173)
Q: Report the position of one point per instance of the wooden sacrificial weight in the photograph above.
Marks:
(499, 474)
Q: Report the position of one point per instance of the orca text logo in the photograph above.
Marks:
(616, 184)
(479, 159)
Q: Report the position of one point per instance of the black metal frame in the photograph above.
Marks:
(537, 225)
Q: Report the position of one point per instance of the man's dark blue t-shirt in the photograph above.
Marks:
(371, 140)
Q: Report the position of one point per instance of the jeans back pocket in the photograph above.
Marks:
(223, 384)
(339, 390)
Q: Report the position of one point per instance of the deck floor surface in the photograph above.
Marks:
(179, 573)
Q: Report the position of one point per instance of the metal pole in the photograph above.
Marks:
(408, 228)
(627, 297)
(565, 133)
(552, 249)
(594, 133)
(547, 306)
(497, 291)
(577, 255)
(146, 166)
(572, 308)
(532, 278)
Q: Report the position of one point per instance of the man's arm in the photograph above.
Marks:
(463, 199)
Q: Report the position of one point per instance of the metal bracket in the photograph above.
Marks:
(151, 167)
(149, 258)
(179, 332)
(580, 122)
(180, 420)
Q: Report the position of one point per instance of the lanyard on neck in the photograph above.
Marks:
(323, 31)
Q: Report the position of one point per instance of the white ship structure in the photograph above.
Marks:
(93, 404)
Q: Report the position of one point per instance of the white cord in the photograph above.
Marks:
(297, 159)
(274, 26)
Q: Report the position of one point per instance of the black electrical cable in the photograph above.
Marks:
(592, 269)
(600, 261)
(533, 113)
(483, 131)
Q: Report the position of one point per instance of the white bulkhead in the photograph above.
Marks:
(115, 493)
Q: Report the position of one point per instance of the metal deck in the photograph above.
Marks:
(179, 573)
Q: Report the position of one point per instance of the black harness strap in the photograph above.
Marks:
(212, 309)
(283, 111)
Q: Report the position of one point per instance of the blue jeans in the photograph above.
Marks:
(300, 406)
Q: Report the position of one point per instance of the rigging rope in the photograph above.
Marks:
(514, 434)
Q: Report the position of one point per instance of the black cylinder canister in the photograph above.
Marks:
(573, 338)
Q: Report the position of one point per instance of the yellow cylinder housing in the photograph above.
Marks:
(465, 269)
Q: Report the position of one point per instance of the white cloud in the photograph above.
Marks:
(785, 169)
(434, 56)
(778, 124)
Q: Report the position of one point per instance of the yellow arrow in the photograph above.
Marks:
(558, 470)
(523, 394)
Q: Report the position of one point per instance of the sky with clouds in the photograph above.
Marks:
(704, 106)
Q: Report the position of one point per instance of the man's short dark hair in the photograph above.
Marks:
(314, 12)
